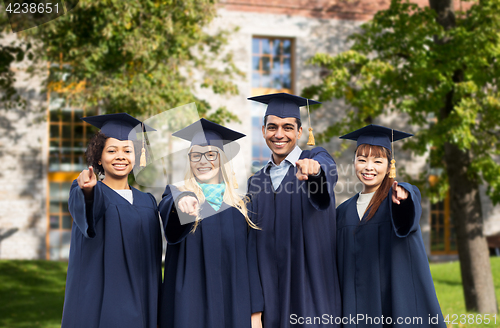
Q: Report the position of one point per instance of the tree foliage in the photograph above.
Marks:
(136, 56)
(403, 61)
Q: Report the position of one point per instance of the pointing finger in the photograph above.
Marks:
(85, 176)
(395, 197)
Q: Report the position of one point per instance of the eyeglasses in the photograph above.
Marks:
(209, 155)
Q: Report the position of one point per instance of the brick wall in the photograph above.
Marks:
(23, 179)
(325, 9)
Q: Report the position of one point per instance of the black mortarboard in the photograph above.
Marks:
(376, 135)
(286, 105)
(204, 133)
(283, 104)
(120, 126)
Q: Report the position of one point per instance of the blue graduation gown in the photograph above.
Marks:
(296, 247)
(210, 276)
(114, 268)
(383, 266)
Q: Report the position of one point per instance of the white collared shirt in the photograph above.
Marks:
(278, 172)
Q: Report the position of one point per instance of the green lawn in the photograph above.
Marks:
(32, 293)
(448, 285)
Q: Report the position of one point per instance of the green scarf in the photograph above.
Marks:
(213, 194)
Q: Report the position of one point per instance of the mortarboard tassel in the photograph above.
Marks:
(310, 141)
(143, 150)
(392, 170)
(235, 183)
(143, 157)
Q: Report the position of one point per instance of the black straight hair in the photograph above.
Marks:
(297, 120)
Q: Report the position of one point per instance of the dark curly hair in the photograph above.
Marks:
(94, 151)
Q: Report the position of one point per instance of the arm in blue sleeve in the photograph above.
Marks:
(321, 187)
(256, 294)
(406, 216)
(86, 213)
(175, 232)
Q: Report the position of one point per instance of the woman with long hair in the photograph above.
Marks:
(114, 268)
(384, 273)
(211, 278)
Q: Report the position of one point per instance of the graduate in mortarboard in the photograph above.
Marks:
(114, 268)
(293, 202)
(211, 278)
(383, 268)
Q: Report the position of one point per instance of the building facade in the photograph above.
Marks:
(43, 145)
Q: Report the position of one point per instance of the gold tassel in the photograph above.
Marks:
(143, 157)
(235, 183)
(311, 141)
(392, 171)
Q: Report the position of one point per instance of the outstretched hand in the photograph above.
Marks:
(398, 193)
(87, 180)
(306, 167)
(189, 205)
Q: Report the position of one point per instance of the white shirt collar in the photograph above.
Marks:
(292, 157)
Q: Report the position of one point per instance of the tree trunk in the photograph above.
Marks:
(465, 204)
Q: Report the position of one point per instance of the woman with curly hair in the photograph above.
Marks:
(211, 278)
(114, 268)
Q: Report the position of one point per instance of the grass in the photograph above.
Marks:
(448, 285)
(32, 293)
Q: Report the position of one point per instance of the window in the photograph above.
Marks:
(271, 65)
(443, 236)
(68, 135)
(60, 221)
(272, 71)
(68, 138)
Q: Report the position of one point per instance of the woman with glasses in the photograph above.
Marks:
(211, 278)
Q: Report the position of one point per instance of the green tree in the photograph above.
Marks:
(430, 63)
(136, 56)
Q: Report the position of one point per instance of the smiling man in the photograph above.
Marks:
(293, 202)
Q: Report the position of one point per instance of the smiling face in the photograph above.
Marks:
(371, 165)
(281, 136)
(204, 170)
(117, 158)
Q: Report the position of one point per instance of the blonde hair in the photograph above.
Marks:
(231, 197)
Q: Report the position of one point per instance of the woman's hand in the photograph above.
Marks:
(398, 193)
(87, 181)
(257, 320)
(189, 205)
